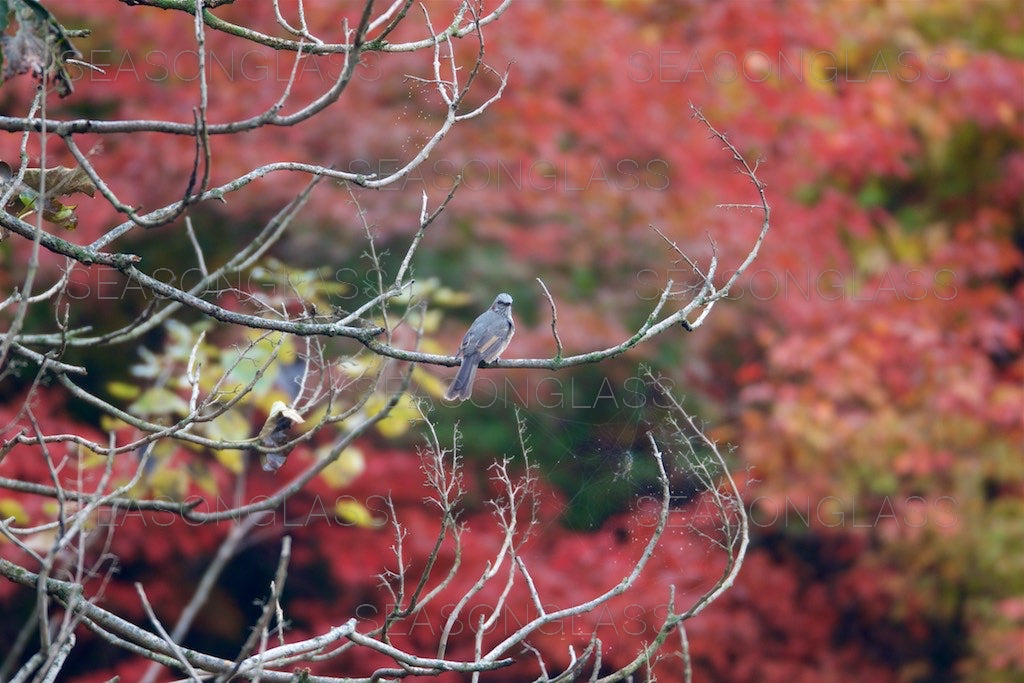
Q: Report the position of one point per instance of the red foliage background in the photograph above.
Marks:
(869, 369)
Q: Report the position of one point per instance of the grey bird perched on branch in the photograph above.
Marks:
(486, 338)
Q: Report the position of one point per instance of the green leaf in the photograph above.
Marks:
(872, 194)
(62, 215)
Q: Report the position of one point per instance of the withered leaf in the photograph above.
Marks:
(61, 180)
(40, 46)
(275, 433)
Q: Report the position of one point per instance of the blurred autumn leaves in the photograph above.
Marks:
(869, 371)
(254, 380)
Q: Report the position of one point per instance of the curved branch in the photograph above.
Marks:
(377, 44)
(350, 50)
(620, 588)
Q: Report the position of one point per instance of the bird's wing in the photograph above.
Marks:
(492, 346)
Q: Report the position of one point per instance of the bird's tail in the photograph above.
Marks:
(462, 385)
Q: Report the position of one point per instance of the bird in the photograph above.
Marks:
(486, 338)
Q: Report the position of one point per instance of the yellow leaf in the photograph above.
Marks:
(288, 354)
(431, 346)
(353, 512)
(400, 418)
(111, 424)
(230, 426)
(266, 400)
(432, 384)
(205, 481)
(169, 482)
(431, 320)
(159, 401)
(12, 508)
(363, 365)
(421, 289)
(233, 460)
(318, 413)
(89, 458)
(123, 390)
(349, 465)
(452, 299)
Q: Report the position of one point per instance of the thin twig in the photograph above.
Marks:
(165, 635)
(554, 319)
